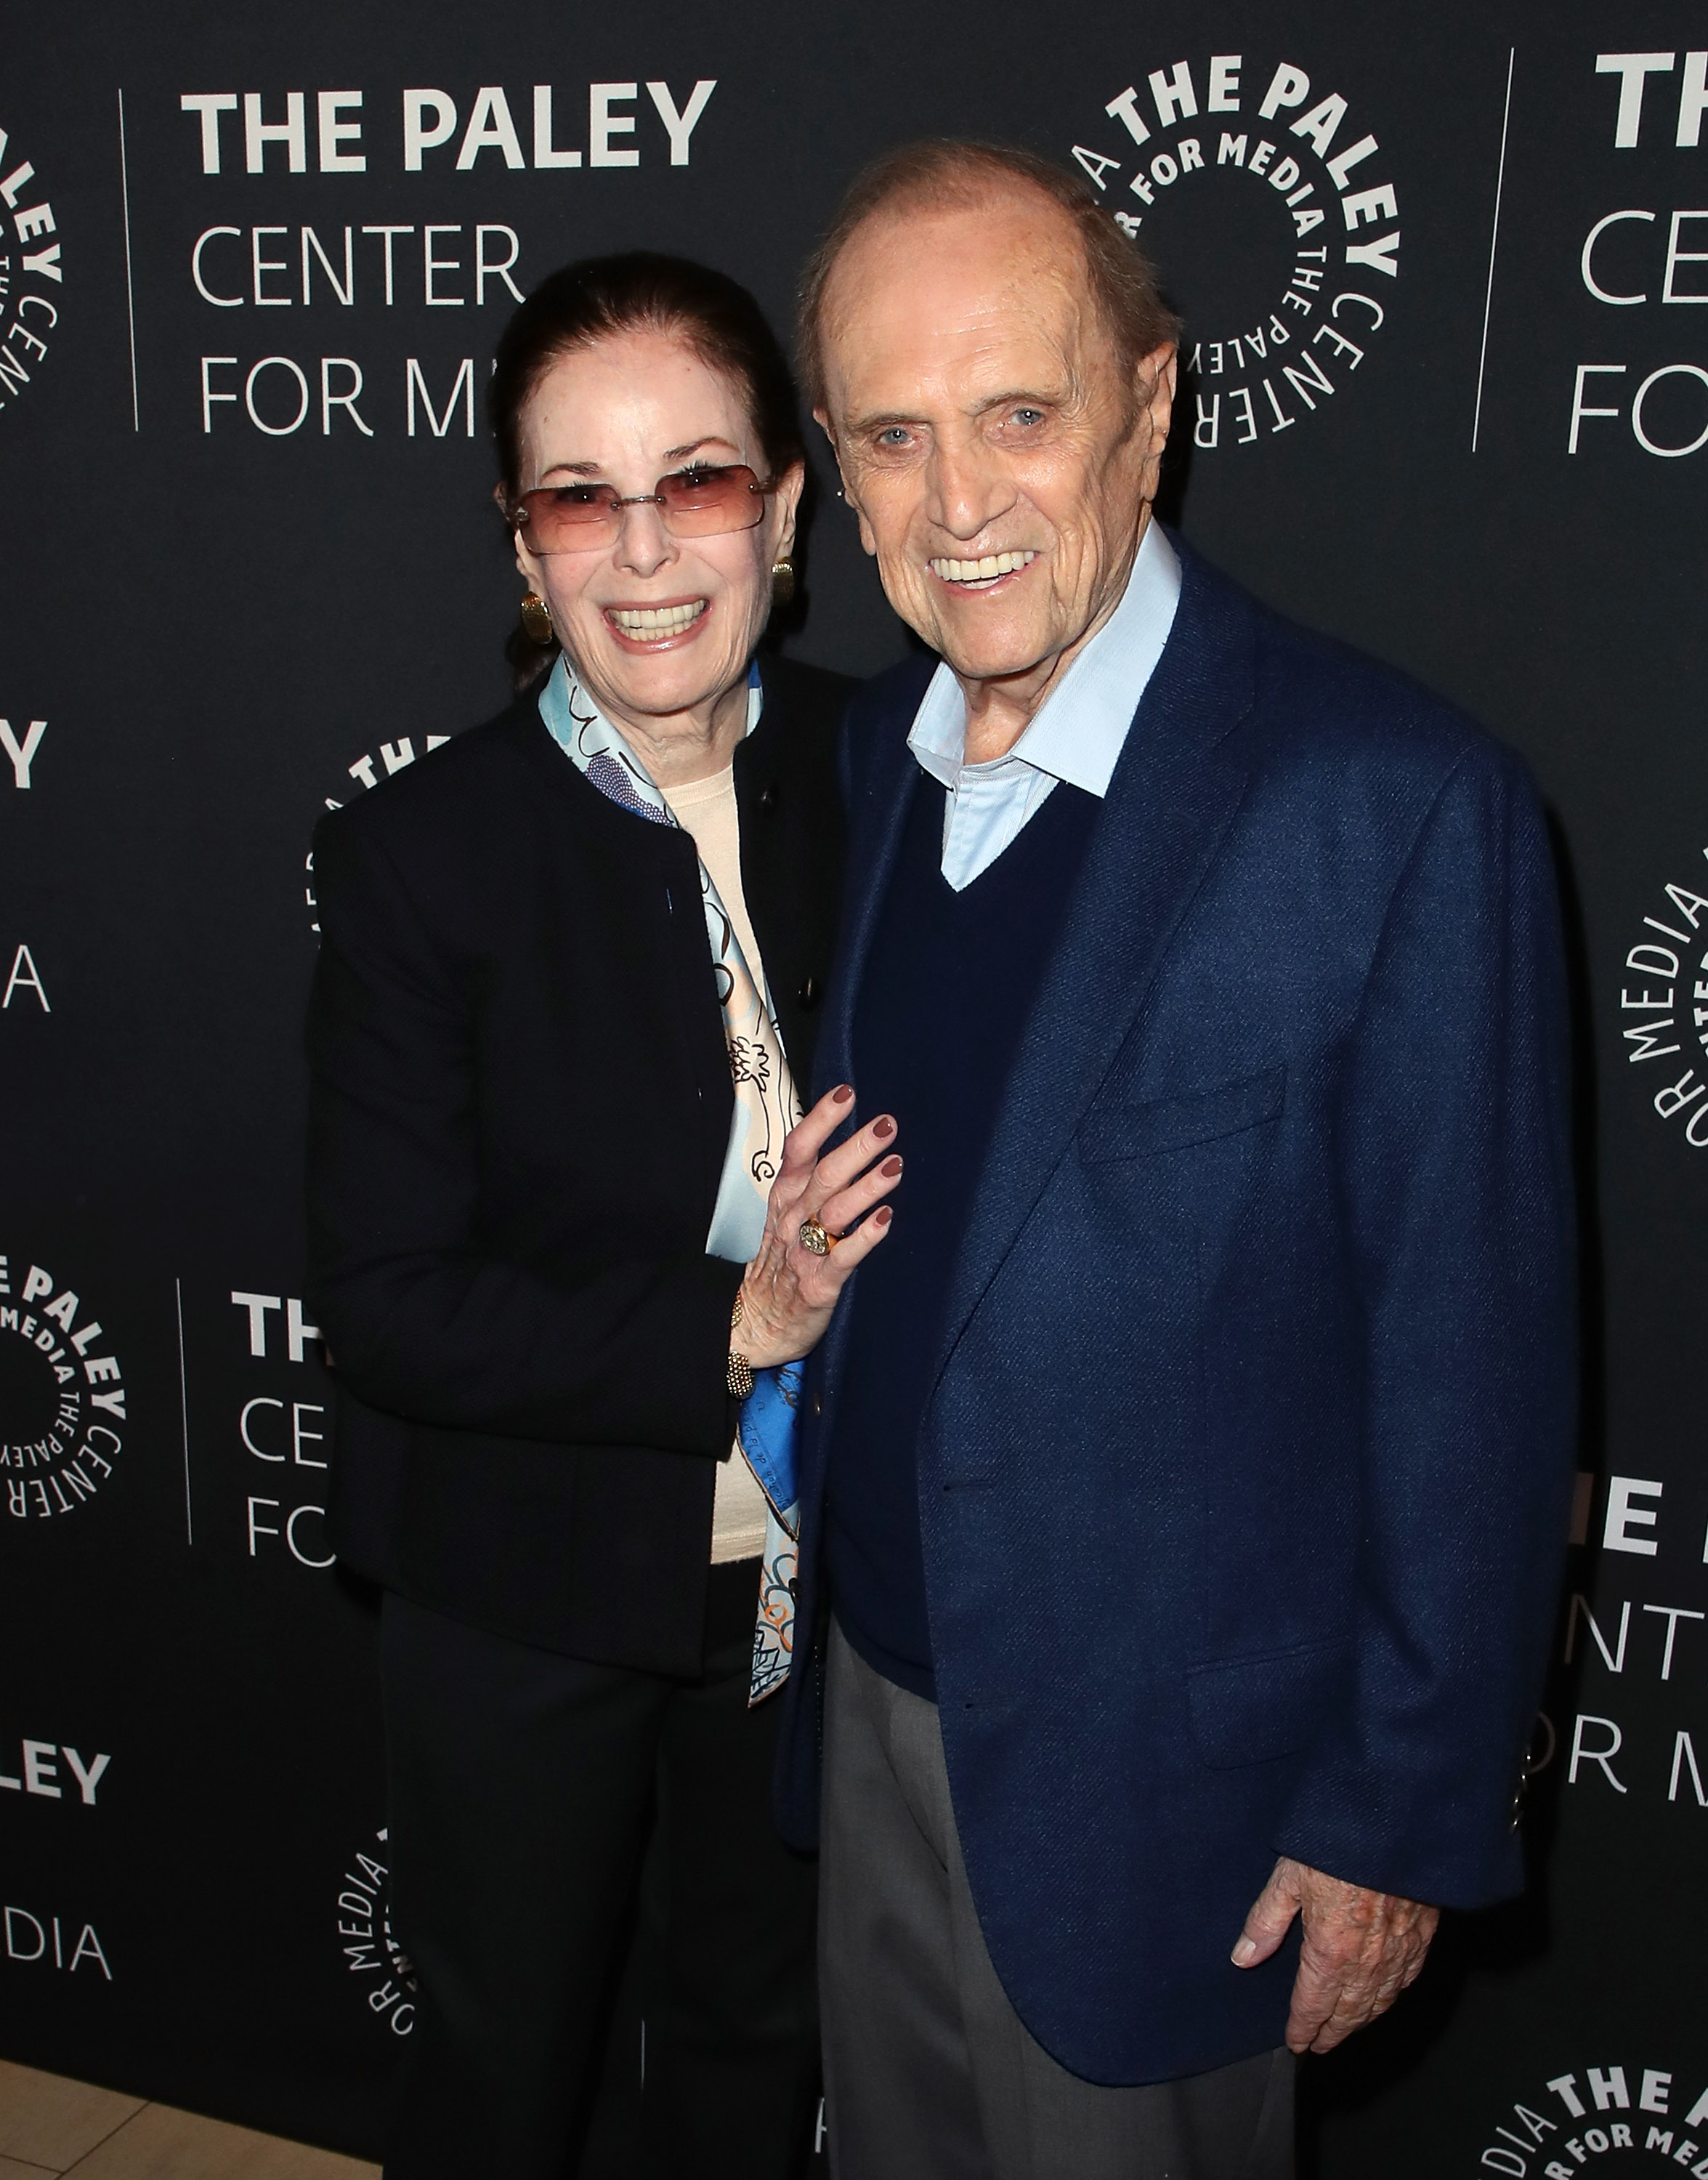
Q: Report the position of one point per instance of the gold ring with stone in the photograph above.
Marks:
(815, 1240)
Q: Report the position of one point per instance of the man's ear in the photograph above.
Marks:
(1157, 375)
(868, 536)
(821, 418)
(789, 487)
(1154, 379)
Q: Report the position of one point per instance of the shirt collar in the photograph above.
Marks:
(1081, 726)
(562, 690)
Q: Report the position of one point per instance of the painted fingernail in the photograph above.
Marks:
(884, 1128)
(842, 1093)
(891, 1166)
(883, 1218)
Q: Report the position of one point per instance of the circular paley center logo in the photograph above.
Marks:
(1628, 2118)
(1263, 199)
(31, 277)
(1663, 1007)
(368, 771)
(62, 1398)
(370, 1949)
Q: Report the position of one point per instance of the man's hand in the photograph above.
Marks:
(1361, 1949)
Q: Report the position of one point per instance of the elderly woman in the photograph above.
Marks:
(567, 984)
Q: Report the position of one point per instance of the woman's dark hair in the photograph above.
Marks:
(638, 290)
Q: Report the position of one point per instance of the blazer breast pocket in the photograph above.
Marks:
(1112, 1131)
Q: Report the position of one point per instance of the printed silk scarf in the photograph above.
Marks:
(767, 1107)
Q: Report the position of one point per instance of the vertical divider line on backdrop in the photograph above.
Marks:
(1494, 245)
(184, 1409)
(129, 286)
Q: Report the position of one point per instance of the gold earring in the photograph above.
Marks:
(537, 619)
(782, 581)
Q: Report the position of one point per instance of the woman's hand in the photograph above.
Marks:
(788, 1293)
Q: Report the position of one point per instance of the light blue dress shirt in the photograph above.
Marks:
(1076, 735)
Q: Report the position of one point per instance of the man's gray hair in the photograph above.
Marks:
(944, 172)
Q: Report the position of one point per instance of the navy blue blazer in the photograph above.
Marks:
(1244, 1475)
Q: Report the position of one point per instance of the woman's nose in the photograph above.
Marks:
(643, 543)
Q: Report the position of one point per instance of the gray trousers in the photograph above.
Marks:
(930, 2074)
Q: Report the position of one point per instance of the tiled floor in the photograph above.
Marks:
(50, 2126)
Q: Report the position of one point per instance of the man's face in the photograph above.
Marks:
(998, 459)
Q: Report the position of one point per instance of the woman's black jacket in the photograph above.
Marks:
(520, 1101)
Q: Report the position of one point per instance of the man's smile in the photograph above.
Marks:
(983, 573)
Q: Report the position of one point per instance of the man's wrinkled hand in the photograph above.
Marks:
(1361, 1949)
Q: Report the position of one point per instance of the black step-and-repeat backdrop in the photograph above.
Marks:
(1445, 276)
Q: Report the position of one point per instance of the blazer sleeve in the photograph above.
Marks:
(420, 1320)
(1455, 1158)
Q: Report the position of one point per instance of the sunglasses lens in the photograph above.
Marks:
(695, 503)
(701, 502)
(560, 517)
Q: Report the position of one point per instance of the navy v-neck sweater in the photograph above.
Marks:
(943, 1005)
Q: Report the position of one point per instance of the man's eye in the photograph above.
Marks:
(1026, 418)
(894, 435)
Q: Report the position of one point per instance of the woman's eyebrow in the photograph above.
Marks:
(677, 453)
(674, 455)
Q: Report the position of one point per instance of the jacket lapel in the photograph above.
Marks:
(881, 787)
(880, 771)
(1172, 796)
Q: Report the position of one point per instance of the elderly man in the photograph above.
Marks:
(1183, 1500)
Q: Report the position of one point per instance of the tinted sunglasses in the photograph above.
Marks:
(691, 502)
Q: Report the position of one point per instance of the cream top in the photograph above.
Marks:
(707, 808)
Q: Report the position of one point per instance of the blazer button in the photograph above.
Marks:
(808, 994)
(818, 1404)
(767, 796)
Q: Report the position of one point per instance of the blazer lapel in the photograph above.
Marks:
(876, 818)
(882, 785)
(1174, 794)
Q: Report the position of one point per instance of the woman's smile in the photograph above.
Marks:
(667, 625)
